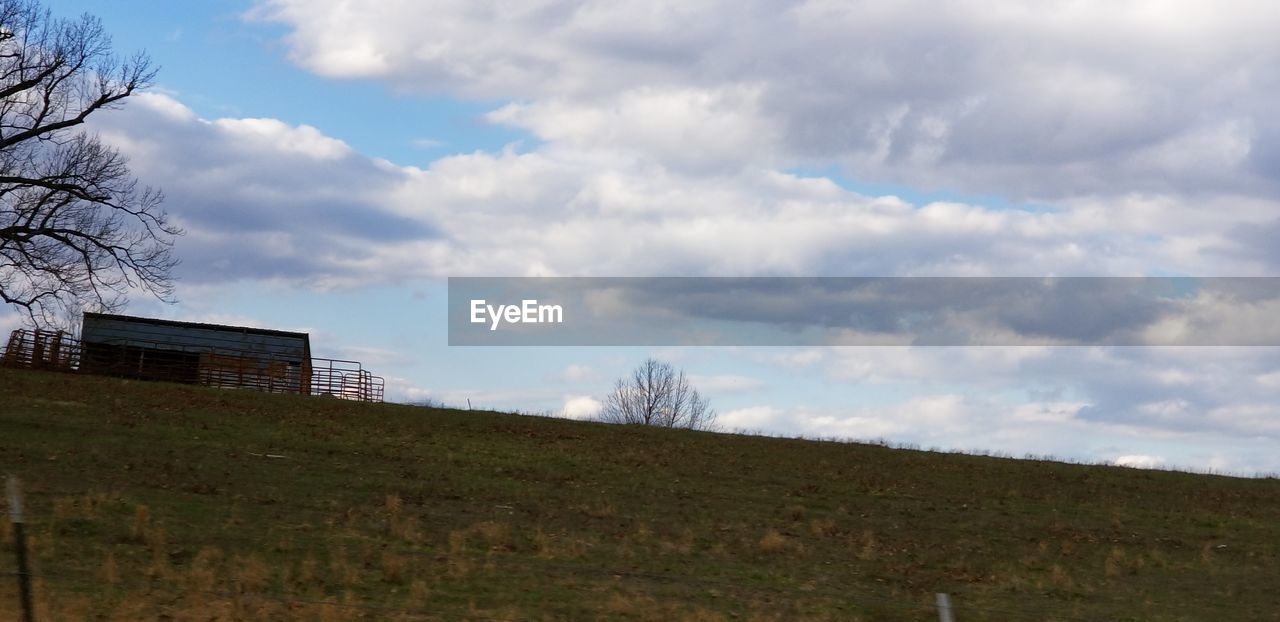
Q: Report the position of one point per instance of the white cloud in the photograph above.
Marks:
(509, 398)
(578, 373)
(691, 129)
(1270, 380)
(752, 418)
(376, 359)
(1220, 318)
(932, 418)
(1011, 97)
(262, 199)
(1066, 401)
(259, 135)
(581, 407)
(1140, 461)
(403, 390)
(165, 105)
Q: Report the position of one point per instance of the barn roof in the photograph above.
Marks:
(219, 327)
(193, 336)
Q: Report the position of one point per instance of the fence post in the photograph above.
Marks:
(944, 608)
(20, 546)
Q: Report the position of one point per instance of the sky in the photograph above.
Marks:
(333, 165)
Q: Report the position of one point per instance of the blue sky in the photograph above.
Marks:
(219, 65)
(330, 183)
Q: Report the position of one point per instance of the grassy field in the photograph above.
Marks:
(157, 501)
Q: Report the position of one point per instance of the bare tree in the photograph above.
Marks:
(657, 394)
(76, 230)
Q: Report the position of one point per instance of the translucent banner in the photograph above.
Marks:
(837, 311)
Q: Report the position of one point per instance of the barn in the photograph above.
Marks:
(210, 354)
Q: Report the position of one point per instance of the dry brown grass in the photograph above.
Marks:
(642, 532)
(92, 502)
(867, 546)
(483, 539)
(495, 535)
(203, 573)
(543, 543)
(405, 529)
(680, 544)
(633, 606)
(250, 574)
(401, 524)
(1061, 578)
(1208, 554)
(596, 510)
(158, 545)
(796, 512)
(216, 587)
(773, 543)
(823, 527)
(341, 569)
(395, 567)
(623, 604)
(564, 546)
(459, 562)
(109, 571)
(307, 575)
(141, 523)
(419, 594)
(64, 507)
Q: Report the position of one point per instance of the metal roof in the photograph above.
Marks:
(222, 327)
(193, 336)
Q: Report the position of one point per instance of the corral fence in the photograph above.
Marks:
(214, 367)
(41, 349)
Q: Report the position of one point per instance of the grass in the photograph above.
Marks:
(158, 501)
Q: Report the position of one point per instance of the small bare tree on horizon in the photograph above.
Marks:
(76, 229)
(657, 394)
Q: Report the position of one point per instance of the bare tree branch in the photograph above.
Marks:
(658, 395)
(75, 229)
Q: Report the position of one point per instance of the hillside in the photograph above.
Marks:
(149, 500)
